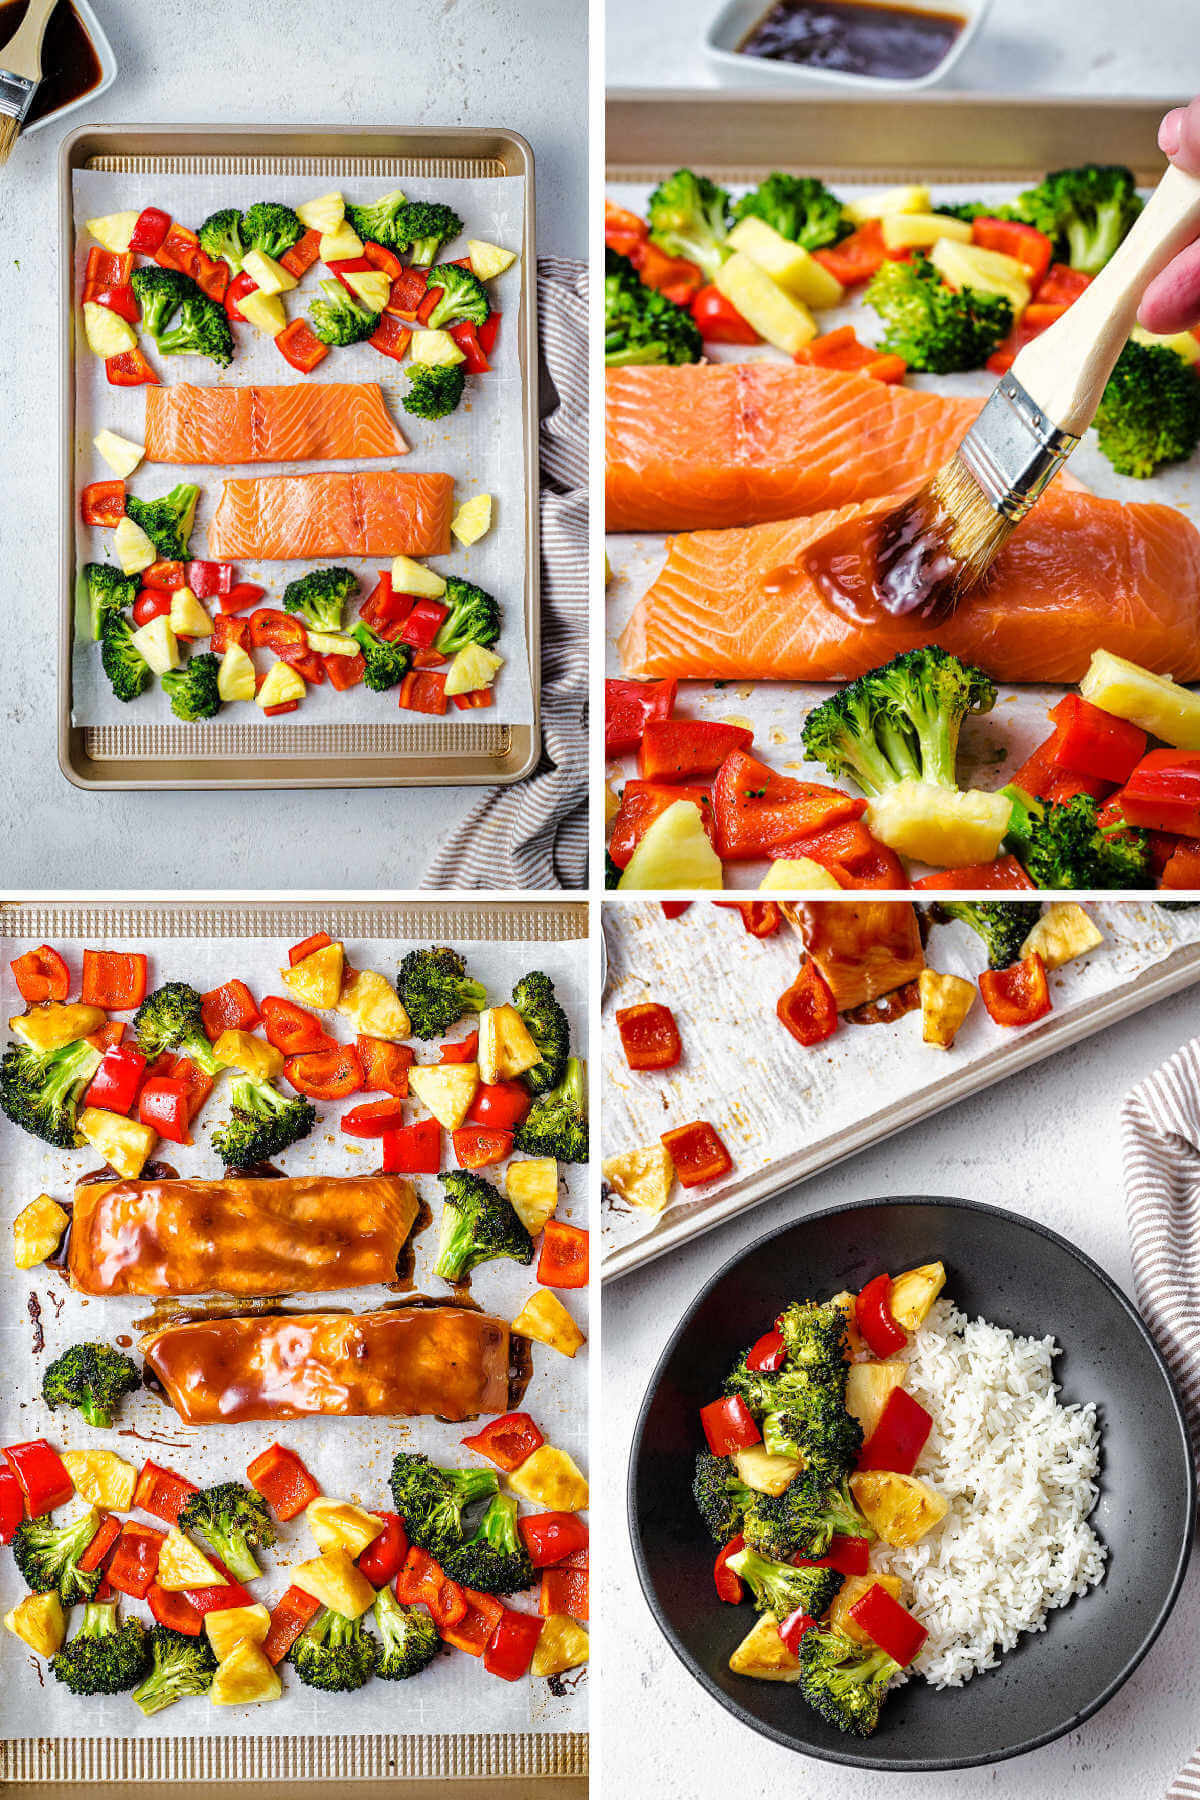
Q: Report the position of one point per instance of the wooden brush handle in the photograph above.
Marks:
(23, 52)
(1066, 367)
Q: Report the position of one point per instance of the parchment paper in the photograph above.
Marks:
(350, 1458)
(480, 444)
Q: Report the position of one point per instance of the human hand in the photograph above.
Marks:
(1172, 301)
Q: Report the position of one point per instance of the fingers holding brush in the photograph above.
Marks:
(1172, 301)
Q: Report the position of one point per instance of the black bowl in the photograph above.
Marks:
(1019, 1275)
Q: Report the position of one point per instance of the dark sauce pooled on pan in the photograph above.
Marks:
(887, 1009)
(70, 66)
(855, 37)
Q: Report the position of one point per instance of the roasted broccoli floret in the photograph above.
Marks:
(799, 207)
(557, 1122)
(103, 1657)
(431, 1501)
(167, 522)
(378, 222)
(814, 1334)
(474, 617)
(181, 318)
(40, 1089)
(640, 324)
(48, 1556)
(387, 660)
(463, 298)
(262, 1124)
(423, 226)
(435, 391)
(180, 1665)
(410, 1638)
(436, 990)
(193, 689)
(612, 873)
(109, 593)
(271, 227)
(900, 722)
(820, 1432)
(334, 1653)
(493, 1560)
(478, 1225)
(1149, 412)
(230, 1518)
(320, 597)
(1085, 212)
(802, 1520)
(1063, 845)
(931, 325)
(94, 1379)
(844, 1682)
(127, 669)
(339, 318)
(781, 1588)
(689, 217)
(721, 1495)
(546, 1023)
(160, 293)
(170, 1019)
(221, 237)
(1002, 924)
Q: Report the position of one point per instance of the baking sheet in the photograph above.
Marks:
(453, 1704)
(481, 444)
(785, 1112)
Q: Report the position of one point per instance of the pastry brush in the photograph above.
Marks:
(21, 72)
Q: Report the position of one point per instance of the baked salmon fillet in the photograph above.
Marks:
(375, 512)
(308, 422)
(1080, 574)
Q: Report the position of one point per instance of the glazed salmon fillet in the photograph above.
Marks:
(1080, 574)
(714, 444)
(378, 512)
(308, 422)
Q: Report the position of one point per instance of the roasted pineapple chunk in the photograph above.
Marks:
(253, 1055)
(900, 1507)
(374, 1006)
(948, 827)
(37, 1231)
(855, 1347)
(914, 1292)
(317, 979)
(40, 1622)
(235, 1625)
(102, 1477)
(644, 1177)
(1155, 702)
(182, 1565)
(852, 1590)
(123, 1142)
(765, 1473)
(945, 1002)
(545, 1318)
(447, 1089)
(52, 1024)
(245, 1677)
(763, 1655)
(1063, 932)
(506, 1049)
(562, 1645)
(333, 1579)
(868, 1385)
(533, 1189)
(550, 1478)
(340, 1524)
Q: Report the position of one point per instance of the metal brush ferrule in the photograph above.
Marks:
(16, 93)
(1013, 450)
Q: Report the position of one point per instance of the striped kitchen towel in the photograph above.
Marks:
(534, 835)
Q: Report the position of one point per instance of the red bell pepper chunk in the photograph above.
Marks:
(623, 230)
(649, 1035)
(564, 1258)
(165, 575)
(476, 698)
(208, 579)
(222, 1598)
(564, 1589)
(379, 257)
(106, 268)
(845, 1555)
(842, 350)
(152, 227)
(196, 1083)
(853, 856)
(793, 1628)
(162, 1492)
(416, 1149)
(873, 1314)
(345, 671)
(174, 1610)
(373, 1119)
(385, 1065)
(120, 299)
(808, 1009)
(290, 1614)
(326, 1074)
(1065, 786)
(390, 337)
(114, 1086)
(629, 706)
(343, 266)
(697, 1152)
(481, 1616)
(229, 1007)
(107, 1533)
(767, 1354)
(408, 291)
(292, 1028)
(1005, 873)
(508, 1442)
(423, 1582)
(1061, 285)
(41, 1473)
(688, 749)
(488, 332)
(151, 603)
(212, 276)
(1036, 773)
(12, 1504)
(429, 300)
(641, 803)
(899, 1437)
(719, 320)
(467, 339)
(422, 692)
(509, 1651)
(758, 811)
(130, 369)
(241, 595)
(760, 918)
(888, 1624)
(479, 1146)
(1090, 741)
(462, 1050)
(674, 276)
(114, 980)
(729, 1425)
(278, 631)
(228, 630)
(501, 1104)
(134, 1561)
(1018, 995)
(282, 1480)
(303, 254)
(298, 953)
(300, 346)
(384, 607)
(103, 503)
(1031, 324)
(41, 974)
(423, 624)
(1182, 867)
(553, 1536)
(163, 1105)
(109, 1034)
(384, 1556)
(239, 287)
(857, 257)
(1011, 238)
(285, 706)
(1163, 793)
(728, 1584)
(180, 249)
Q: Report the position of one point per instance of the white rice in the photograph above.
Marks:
(1019, 1471)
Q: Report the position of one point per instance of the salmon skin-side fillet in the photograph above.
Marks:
(1080, 574)
(309, 422)
(378, 512)
(715, 444)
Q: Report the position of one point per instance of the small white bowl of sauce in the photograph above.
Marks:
(866, 44)
(78, 64)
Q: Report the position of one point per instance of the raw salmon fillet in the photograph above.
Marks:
(307, 422)
(1080, 574)
(714, 444)
(378, 512)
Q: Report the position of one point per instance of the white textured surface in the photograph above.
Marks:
(1043, 1143)
(519, 64)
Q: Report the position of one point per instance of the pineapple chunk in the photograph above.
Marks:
(132, 548)
(763, 304)
(1183, 343)
(855, 1347)
(37, 1231)
(324, 214)
(182, 1565)
(53, 1023)
(1159, 705)
(1063, 932)
(339, 1524)
(852, 1590)
(532, 1187)
(282, 684)
(473, 519)
(263, 311)
(340, 244)
(245, 1678)
(488, 260)
(989, 271)
(945, 1002)
(562, 1645)
(373, 1004)
(373, 288)
(409, 577)
(236, 679)
(114, 230)
(765, 1473)
(187, 617)
(948, 827)
(102, 1477)
(317, 978)
(798, 875)
(331, 643)
(921, 230)
(445, 1089)
(900, 1507)
(914, 1292)
(788, 265)
(892, 200)
(158, 644)
(550, 1478)
(545, 1319)
(334, 1580)
(107, 333)
(612, 805)
(674, 852)
(868, 1385)
(506, 1049)
(763, 1655)
(473, 667)
(125, 1143)
(269, 276)
(643, 1177)
(40, 1622)
(253, 1055)
(121, 454)
(234, 1625)
(435, 350)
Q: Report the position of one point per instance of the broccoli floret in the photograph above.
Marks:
(478, 1225)
(109, 593)
(970, 210)
(262, 1124)
(721, 1495)
(799, 207)
(463, 299)
(94, 1379)
(900, 722)
(642, 325)
(434, 391)
(820, 1432)
(546, 1023)
(1149, 412)
(127, 669)
(431, 1501)
(168, 521)
(689, 217)
(387, 660)
(781, 1588)
(334, 1653)
(802, 1520)
(40, 1089)
(271, 227)
(48, 1556)
(180, 1665)
(379, 222)
(410, 1638)
(103, 1657)
(1084, 211)
(493, 1560)
(181, 318)
(814, 1334)
(612, 873)
(474, 617)
(843, 1681)
(320, 597)
(160, 293)
(932, 325)
(221, 237)
(193, 689)
(230, 1518)
(339, 318)
(557, 1122)
(437, 992)
(1063, 845)
(170, 1019)
(1002, 924)
(423, 226)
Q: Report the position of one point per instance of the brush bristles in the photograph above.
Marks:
(977, 532)
(10, 128)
